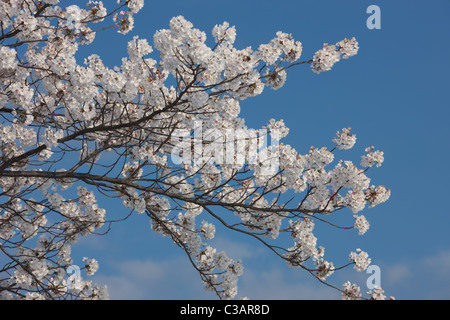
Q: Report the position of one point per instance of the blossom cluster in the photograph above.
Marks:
(361, 259)
(72, 132)
(329, 55)
(353, 292)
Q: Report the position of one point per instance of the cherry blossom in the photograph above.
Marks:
(161, 136)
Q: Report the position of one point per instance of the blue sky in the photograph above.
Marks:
(395, 96)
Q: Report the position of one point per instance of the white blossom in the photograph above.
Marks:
(361, 260)
(208, 230)
(361, 224)
(372, 158)
(329, 55)
(7, 58)
(51, 137)
(224, 33)
(71, 132)
(91, 266)
(351, 291)
(344, 139)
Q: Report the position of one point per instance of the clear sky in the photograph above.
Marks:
(395, 96)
